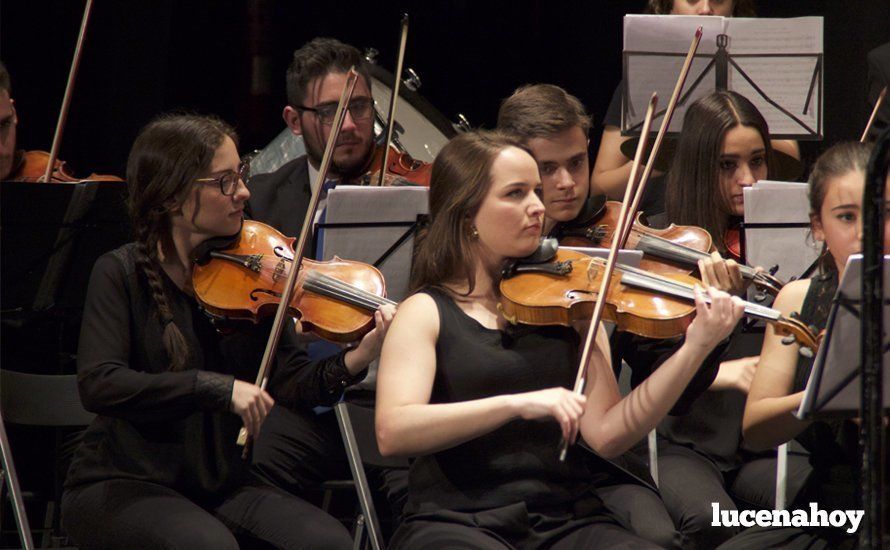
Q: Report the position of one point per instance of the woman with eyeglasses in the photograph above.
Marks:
(159, 466)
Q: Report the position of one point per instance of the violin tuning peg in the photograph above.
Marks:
(774, 269)
(412, 81)
(788, 340)
(794, 315)
(806, 352)
(371, 55)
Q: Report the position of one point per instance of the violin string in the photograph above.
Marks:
(379, 300)
(667, 249)
(346, 288)
(320, 280)
(651, 281)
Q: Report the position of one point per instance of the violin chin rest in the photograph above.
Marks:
(545, 252)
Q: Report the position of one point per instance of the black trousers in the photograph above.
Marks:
(130, 514)
(512, 526)
(298, 450)
(642, 512)
(690, 482)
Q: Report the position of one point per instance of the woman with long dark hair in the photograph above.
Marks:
(724, 148)
(159, 467)
(836, 189)
(483, 405)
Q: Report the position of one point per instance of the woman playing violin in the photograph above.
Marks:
(159, 466)
(836, 190)
(724, 147)
(482, 405)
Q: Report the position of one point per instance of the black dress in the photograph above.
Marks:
(834, 454)
(506, 487)
(169, 435)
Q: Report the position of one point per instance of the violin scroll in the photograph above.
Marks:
(793, 330)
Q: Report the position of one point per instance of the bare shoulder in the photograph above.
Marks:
(420, 312)
(791, 296)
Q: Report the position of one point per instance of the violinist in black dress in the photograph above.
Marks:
(483, 406)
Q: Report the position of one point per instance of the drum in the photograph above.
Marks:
(420, 129)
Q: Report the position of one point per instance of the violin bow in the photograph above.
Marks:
(390, 122)
(69, 87)
(623, 218)
(874, 113)
(262, 378)
(666, 122)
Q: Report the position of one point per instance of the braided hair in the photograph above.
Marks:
(167, 156)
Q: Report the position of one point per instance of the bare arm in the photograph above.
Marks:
(787, 146)
(612, 169)
(406, 422)
(768, 419)
(610, 424)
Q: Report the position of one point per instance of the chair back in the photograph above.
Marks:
(362, 421)
(41, 399)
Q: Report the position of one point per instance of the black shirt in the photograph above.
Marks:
(174, 428)
(833, 443)
(518, 462)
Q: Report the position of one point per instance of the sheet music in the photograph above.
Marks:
(779, 202)
(756, 35)
(780, 56)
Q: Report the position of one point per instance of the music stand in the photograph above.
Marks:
(775, 63)
(376, 225)
(52, 234)
(834, 385)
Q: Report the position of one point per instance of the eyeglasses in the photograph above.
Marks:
(359, 109)
(228, 182)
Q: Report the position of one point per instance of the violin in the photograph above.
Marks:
(675, 249)
(400, 168)
(242, 278)
(564, 289)
(389, 163)
(732, 242)
(34, 164)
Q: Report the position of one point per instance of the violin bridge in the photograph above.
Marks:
(280, 271)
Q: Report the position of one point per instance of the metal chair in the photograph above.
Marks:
(360, 440)
(36, 400)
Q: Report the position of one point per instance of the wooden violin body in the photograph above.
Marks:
(566, 291)
(33, 168)
(399, 166)
(657, 244)
(335, 299)
(673, 250)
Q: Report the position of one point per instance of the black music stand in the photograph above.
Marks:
(834, 385)
(52, 233)
(376, 225)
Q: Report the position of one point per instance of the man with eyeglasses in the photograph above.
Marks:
(300, 450)
(315, 81)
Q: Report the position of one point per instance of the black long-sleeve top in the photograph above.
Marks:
(174, 428)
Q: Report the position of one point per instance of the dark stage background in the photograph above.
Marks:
(229, 58)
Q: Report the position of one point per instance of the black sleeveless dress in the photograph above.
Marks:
(509, 483)
(519, 461)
